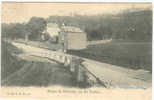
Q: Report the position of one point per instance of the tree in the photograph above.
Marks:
(13, 31)
(35, 27)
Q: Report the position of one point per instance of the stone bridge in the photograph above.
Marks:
(86, 71)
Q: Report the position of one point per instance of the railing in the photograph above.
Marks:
(81, 75)
(99, 42)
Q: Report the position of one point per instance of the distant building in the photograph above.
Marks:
(53, 31)
(72, 38)
(69, 37)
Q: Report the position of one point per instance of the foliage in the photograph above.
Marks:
(134, 26)
(35, 27)
(10, 63)
(13, 30)
(128, 25)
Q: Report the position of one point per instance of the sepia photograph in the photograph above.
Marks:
(76, 45)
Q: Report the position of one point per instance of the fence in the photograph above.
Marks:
(99, 42)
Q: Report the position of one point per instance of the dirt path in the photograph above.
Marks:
(117, 76)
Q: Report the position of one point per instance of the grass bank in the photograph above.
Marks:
(135, 55)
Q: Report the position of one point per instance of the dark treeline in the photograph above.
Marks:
(13, 30)
(128, 25)
(33, 29)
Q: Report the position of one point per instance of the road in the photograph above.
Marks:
(114, 76)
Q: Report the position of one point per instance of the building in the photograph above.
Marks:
(72, 38)
(53, 31)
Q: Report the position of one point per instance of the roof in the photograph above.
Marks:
(71, 29)
(52, 25)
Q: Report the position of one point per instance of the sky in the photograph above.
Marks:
(21, 12)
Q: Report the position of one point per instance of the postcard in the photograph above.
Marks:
(76, 50)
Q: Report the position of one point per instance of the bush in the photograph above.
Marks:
(10, 63)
